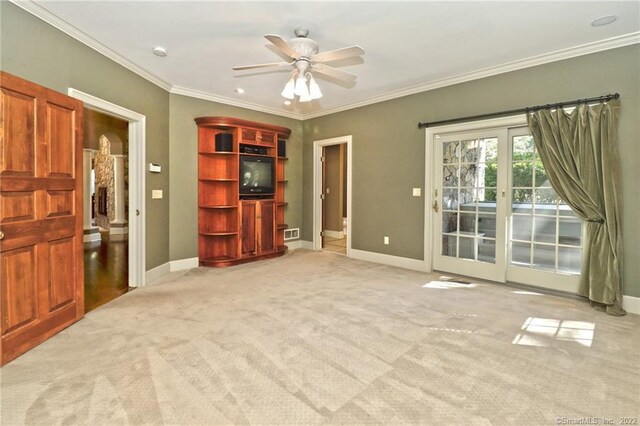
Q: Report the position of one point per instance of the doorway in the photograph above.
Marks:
(136, 123)
(334, 201)
(493, 212)
(332, 195)
(106, 177)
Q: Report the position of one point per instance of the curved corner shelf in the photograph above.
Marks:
(219, 234)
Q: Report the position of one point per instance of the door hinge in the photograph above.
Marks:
(322, 233)
(322, 196)
(322, 159)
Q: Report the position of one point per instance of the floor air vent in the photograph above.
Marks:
(291, 234)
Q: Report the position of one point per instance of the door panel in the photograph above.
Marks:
(60, 203)
(17, 206)
(267, 226)
(61, 273)
(19, 134)
(40, 214)
(19, 296)
(60, 137)
(249, 240)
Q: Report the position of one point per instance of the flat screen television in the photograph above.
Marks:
(256, 175)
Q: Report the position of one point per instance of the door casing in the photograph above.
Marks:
(137, 155)
(318, 190)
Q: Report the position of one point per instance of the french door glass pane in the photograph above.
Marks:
(522, 227)
(569, 259)
(544, 256)
(545, 233)
(469, 191)
(544, 229)
(521, 253)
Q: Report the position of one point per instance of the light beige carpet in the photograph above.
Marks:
(314, 338)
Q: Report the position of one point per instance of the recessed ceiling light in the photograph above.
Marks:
(603, 20)
(239, 90)
(287, 102)
(159, 51)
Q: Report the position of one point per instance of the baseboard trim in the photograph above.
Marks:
(182, 264)
(333, 234)
(91, 238)
(386, 259)
(156, 273)
(307, 245)
(631, 304)
(293, 245)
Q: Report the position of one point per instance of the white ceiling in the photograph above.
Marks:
(410, 46)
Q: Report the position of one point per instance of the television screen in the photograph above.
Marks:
(256, 175)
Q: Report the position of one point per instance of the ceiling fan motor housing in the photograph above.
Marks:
(305, 47)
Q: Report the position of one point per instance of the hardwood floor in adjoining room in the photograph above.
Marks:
(106, 271)
(335, 245)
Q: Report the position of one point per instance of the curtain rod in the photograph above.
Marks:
(604, 98)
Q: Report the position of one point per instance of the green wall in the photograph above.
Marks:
(388, 147)
(184, 167)
(35, 51)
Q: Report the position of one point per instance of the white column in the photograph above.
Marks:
(91, 233)
(118, 224)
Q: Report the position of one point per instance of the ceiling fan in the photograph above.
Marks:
(306, 59)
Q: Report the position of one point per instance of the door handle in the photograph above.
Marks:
(137, 212)
(435, 206)
(1, 235)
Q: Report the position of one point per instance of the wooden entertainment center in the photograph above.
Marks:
(236, 225)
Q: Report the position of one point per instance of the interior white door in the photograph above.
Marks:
(470, 182)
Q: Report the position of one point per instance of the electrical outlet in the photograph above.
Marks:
(417, 192)
(156, 194)
(386, 240)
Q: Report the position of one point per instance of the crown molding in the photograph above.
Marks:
(57, 22)
(572, 52)
(198, 94)
(558, 55)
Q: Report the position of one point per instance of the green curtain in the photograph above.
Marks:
(580, 155)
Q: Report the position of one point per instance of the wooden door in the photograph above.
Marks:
(267, 226)
(249, 246)
(41, 251)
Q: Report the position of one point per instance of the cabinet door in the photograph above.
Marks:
(267, 226)
(248, 135)
(267, 138)
(249, 240)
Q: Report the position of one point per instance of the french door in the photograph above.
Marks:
(469, 203)
(495, 215)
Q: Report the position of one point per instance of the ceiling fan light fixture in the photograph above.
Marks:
(288, 91)
(314, 89)
(305, 98)
(301, 88)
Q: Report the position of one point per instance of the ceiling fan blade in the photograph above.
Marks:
(270, 65)
(281, 44)
(334, 55)
(333, 72)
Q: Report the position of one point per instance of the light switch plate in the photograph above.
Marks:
(417, 192)
(156, 193)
